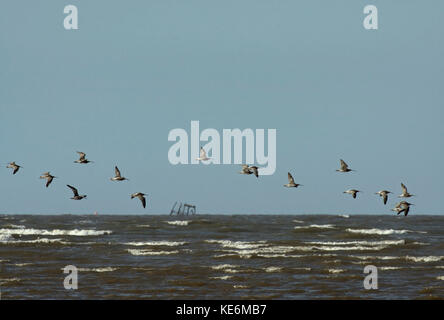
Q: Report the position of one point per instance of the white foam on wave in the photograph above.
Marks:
(148, 252)
(239, 244)
(157, 243)
(6, 280)
(424, 259)
(179, 222)
(365, 243)
(334, 271)
(222, 277)
(224, 266)
(55, 232)
(389, 268)
(14, 226)
(273, 269)
(440, 278)
(316, 226)
(298, 221)
(346, 216)
(377, 231)
(102, 269)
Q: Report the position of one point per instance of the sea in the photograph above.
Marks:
(211, 257)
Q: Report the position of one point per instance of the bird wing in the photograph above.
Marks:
(142, 198)
(117, 172)
(255, 171)
(82, 155)
(290, 178)
(385, 197)
(16, 168)
(404, 188)
(203, 154)
(343, 164)
(48, 182)
(74, 190)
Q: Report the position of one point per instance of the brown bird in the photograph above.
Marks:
(76, 193)
(141, 197)
(82, 158)
(384, 195)
(15, 167)
(291, 183)
(353, 192)
(48, 178)
(344, 167)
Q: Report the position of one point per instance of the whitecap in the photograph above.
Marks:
(157, 243)
(179, 222)
(148, 252)
(55, 232)
(377, 231)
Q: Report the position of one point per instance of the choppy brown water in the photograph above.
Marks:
(222, 257)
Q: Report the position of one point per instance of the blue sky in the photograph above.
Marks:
(115, 87)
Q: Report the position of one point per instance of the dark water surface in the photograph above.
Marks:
(221, 257)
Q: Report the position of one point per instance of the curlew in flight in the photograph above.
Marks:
(202, 155)
(403, 206)
(15, 167)
(353, 192)
(118, 176)
(141, 197)
(405, 194)
(344, 167)
(291, 183)
(76, 193)
(82, 158)
(49, 177)
(384, 195)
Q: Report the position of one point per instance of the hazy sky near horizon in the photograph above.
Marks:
(135, 70)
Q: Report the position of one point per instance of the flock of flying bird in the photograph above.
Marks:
(82, 160)
(401, 207)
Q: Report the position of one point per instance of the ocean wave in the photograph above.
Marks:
(316, 226)
(273, 269)
(100, 269)
(424, 259)
(157, 243)
(366, 243)
(14, 226)
(179, 222)
(221, 277)
(440, 278)
(224, 266)
(298, 221)
(239, 244)
(377, 231)
(6, 280)
(390, 268)
(39, 240)
(346, 216)
(334, 271)
(148, 252)
(55, 232)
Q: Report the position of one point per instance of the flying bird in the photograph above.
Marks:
(384, 195)
(82, 158)
(141, 197)
(254, 169)
(353, 192)
(246, 169)
(405, 194)
(344, 167)
(15, 167)
(202, 155)
(76, 193)
(291, 183)
(118, 176)
(403, 206)
(49, 177)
